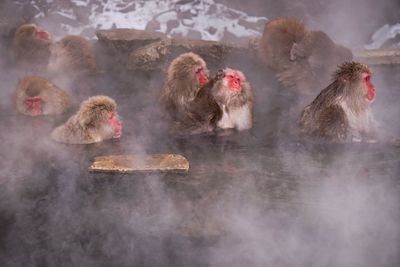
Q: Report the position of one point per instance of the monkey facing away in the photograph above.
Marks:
(72, 55)
(35, 96)
(342, 112)
(31, 46)
(95, 121)
(184, 77)
(303, 60)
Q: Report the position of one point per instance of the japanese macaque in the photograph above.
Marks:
(36, 96)
(95, 121)
(303, 60)
(31, 46)
(341, 112)
(234, 96)
(184, 77)
(72, 55)
(204, 112)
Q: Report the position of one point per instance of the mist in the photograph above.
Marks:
(258, 198)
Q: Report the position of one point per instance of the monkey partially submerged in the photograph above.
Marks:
(341, 112)
(95, 121)
(303, 60)
(73, 55)
(35, 96)
(225, 102)
(31, 46)
(184, 77)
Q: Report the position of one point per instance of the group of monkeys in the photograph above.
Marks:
(196, 103)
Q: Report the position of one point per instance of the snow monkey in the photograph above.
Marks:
(341, 112)
(303, 60)
(35, 96)
(95, 121)
(72, 55)
(31, 46)
(234, 96)
(184, 77)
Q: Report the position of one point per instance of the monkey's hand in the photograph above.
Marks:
(220, 75)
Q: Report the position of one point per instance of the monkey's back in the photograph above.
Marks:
(79, 54)
(72, 132)
(277, 40)
(325, 117)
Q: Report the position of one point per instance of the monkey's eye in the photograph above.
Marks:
(367, 78)
(199, 69)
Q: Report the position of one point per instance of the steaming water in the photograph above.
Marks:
(262, 198)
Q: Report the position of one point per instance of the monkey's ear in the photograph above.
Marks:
(297, 51)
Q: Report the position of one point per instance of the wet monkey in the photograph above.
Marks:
(96, 120)
(234, 96)
(302, 60)
(31, 46)
(341, 112)
(184, 77)
(36, 96)
(72, 55)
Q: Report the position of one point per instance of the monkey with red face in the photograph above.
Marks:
(184, 77)
(95, 121)
(31, 46)
(234, 96)
(342, 112)
(36, 96)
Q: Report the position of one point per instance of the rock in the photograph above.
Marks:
(146, 163)
(156, 55)
(124, 41)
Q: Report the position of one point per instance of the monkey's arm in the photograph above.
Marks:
(333, 123)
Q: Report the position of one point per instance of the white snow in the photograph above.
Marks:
(207, 17)
(382, 35)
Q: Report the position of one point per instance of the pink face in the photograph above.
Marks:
(33, 105)
(115, 123)
(42, 34)
(234, 82)
(201, 77)
(370, 87)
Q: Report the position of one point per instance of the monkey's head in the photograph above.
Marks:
(355, 79)
(100, 113)
(29, 32)
(232, 87)
(31, 97)
(188, 70)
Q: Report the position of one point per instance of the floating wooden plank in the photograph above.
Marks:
(143, 163)
(378, 56)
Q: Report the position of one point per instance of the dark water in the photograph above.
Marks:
(258, 198)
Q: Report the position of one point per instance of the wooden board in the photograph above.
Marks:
(143, 163)
(378, 56)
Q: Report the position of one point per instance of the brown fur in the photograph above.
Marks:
(30, 52)
(302, 59)
(73, 54)
(204, 112)
(89, 124)
(181, 85)
(54, 100)
(326, 117)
